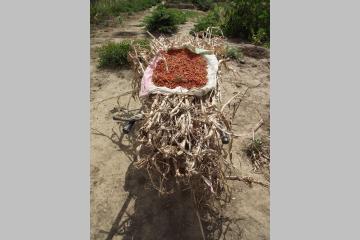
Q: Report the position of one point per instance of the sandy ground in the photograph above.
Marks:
(112, 154)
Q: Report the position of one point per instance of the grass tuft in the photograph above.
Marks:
(258, 152)
(234, 53)
(254, 149)
(113, 55)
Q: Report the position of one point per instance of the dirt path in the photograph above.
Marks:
(111, 156)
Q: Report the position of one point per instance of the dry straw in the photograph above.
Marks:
(179, 142)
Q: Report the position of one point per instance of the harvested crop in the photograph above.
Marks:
(180, 67)
(179, 142)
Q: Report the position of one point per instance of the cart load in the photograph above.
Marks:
(180, 71)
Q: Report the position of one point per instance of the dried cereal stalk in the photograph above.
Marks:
(180, 138)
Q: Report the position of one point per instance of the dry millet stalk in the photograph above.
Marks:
(179, 141)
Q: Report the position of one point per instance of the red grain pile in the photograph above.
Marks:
(185, 69)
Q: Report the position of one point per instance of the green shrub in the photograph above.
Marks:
(114, 55)
(162, 20)
(233, 53)
(166, 20)
(180, 16)
(212, 19)
(247, 19)
(259, 37)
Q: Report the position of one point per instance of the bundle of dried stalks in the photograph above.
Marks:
(180, 138)
(180, 144)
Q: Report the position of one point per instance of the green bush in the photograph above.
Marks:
(233, 53)
(247, 19)
(103, 10)
(163, 20)
(114, 55)
(166, 20)
(180, 16)
(212, 19)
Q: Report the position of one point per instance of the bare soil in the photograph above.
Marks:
(113, 176)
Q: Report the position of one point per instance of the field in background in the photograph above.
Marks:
(106, 10)
(248, 20)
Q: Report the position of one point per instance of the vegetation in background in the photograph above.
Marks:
(114, 55)
(102, 10)
(214, 18)
(247, 19)
(182, 15)
(161, 21)
(166, 20)
(234, 53)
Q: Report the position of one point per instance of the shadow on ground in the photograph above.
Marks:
(157, 217)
